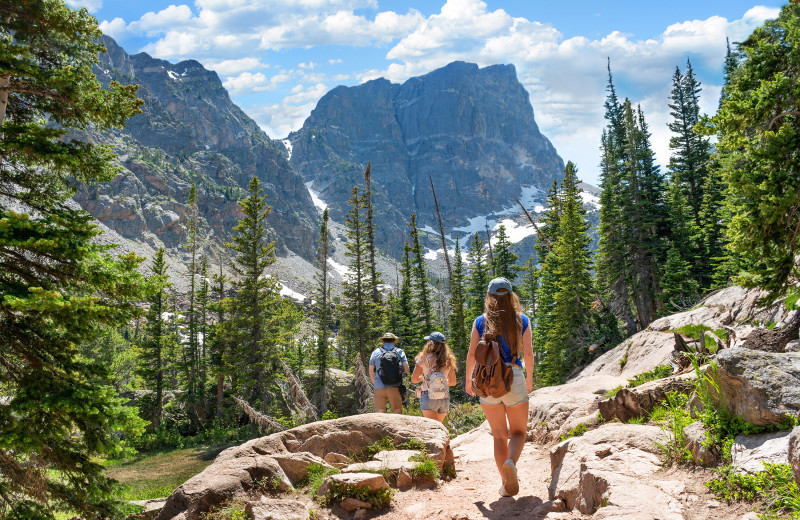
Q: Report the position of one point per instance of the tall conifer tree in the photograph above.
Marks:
(459, 328)
(478, 276)
(322, 311)
(421, 286)
(504, 258)
(357, 311)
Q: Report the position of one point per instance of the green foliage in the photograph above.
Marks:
(317, 473)
(637, 420)
(59, 286)
(775, 487)
(463, 418)
(423, 308)
(379, 499)
(234, 510)
(459, 328)
(576, 431)
(478, 276)
(659, 372)
(758, 128)
(426, 468)
(674, 418)
(504, 258)
(613, 392)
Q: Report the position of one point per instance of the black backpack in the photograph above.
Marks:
(389, 370)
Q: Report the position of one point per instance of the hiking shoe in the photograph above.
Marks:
(503, 492)
(511, 485)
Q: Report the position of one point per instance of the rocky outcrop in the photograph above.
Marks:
(760, 387)
(607, 471)
(282, 459)
(794, 453)
(190, 131)
(696, 439)
(631, 403)
(750, 452)
(554, 410)
(469, 129)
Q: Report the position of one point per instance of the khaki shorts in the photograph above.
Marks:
(518, 393)
(390, 395)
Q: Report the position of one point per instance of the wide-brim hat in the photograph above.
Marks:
(389, 335)
(499, 286)
(435, 336)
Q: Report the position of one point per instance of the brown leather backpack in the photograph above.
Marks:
(490, 377)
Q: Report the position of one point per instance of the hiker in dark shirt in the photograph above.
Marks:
(507, 415)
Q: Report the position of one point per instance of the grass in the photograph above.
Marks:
(613, 392)
(775, 488)
(576, 431)
(426, 468)
(317, 473)
(674, 418)
(659, 372)
(694, 331)
(463, 418)
(155, 475)
(386, 443)
(624, 360)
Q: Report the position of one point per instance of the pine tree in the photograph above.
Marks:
(322, 311)
(152, 358)
(529, 287)
(459, 328)
(57, 284)
(504, 258)
(570, 266)
(357, 311)
(254, 351)
(217, 339)
(202, 300)
(478, 277)
(408, 324)
(192, 349)
(759, 135)
(420, 279)
(374, 275)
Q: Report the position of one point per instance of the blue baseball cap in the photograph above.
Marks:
(436, 336)
(499, 286)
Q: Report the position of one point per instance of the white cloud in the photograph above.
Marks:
(91, 5)
(231, 67)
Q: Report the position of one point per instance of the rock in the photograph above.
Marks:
(342, 388)
(554, 410)
(794, 452)
(361, 514)
(351, 504)
(404, 480)
(295, 465)
(392, 461)
(760, 387)
(337, 460)
(276, 509)
(236, 469)
(371, 480)
(773, 340)
(151, 507)
(606, 470)
(623, 406)
(793, 346)
(630, 403)
(695, 436)
(750, 452)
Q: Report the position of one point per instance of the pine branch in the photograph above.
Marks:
(263, 421)
(300, 399)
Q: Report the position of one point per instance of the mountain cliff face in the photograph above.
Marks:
(470, 130)
(190, 131)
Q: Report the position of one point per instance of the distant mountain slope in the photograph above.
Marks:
(471, 130)
(191, 131)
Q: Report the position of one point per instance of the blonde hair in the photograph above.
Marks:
(442, 355)
(503, 318)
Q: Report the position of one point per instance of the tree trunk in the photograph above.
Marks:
(5, 81)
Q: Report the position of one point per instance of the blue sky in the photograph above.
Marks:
(277, 58)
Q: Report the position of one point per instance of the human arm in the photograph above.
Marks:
(417, 376)
(451, 377)
(406, 368)
(473, 342)
(372, 374)
(527, 352)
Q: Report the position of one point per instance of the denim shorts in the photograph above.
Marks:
(433, 405)
(518, 393)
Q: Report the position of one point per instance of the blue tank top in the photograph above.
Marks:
(505, 351)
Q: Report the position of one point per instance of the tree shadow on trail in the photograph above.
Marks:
(508, 507)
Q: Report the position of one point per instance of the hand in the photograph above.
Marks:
(468, 388)
(529, 384)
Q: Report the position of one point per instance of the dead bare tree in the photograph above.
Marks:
(299, 396)
(363, 385)
(264, 422)
(441, 234)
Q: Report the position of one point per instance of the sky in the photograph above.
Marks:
(277, 58)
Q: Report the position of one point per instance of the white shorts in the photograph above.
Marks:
(518, 393)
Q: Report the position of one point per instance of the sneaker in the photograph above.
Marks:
(511, 485)
(503, 492)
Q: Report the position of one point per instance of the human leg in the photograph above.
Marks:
(518, 429)
(395, 400)
(381, 398)
(496, 415)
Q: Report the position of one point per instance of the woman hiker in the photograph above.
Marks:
(507, 415)
(436, 369)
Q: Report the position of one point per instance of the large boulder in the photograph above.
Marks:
(761, 387)
(282, 458)
(342, 389)
(554, 410)
(607, 472)
(275, 508)
(695, 437)
(750, 452)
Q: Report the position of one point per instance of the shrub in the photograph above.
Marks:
(317, 473)
(674, 418)
(463, 418)
(613, 392)
(774, 487)
(338, 492)
(659, 372)
(426, 468)
(576, 431)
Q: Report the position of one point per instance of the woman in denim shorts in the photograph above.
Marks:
(436, 369)
(507, 415)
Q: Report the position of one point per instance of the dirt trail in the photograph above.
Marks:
(473, 494)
